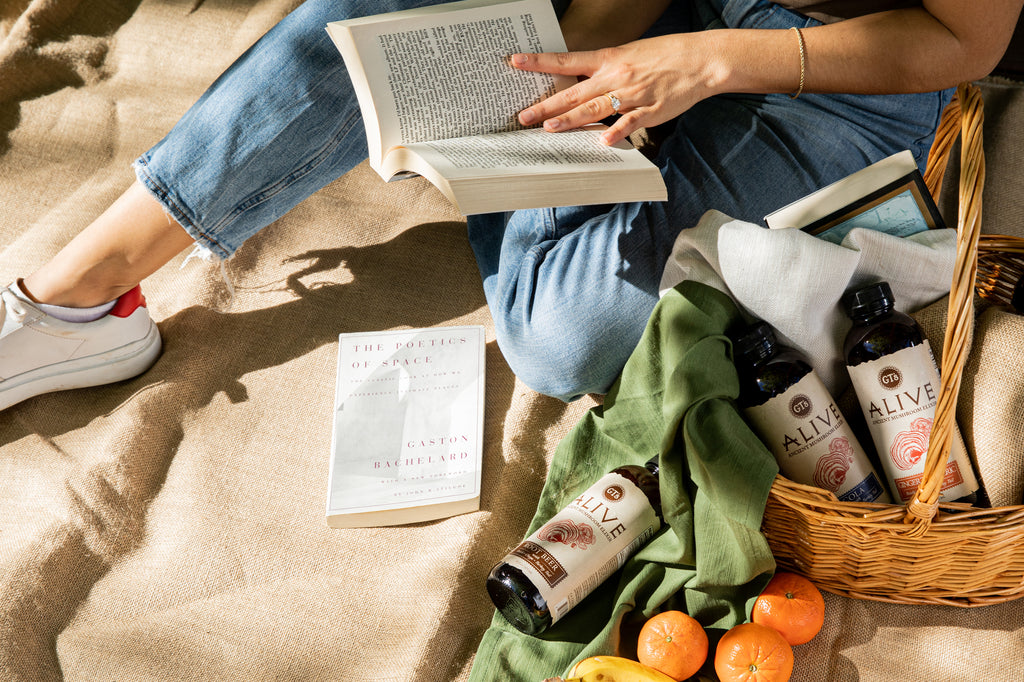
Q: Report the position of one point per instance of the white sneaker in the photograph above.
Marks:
(39, 353)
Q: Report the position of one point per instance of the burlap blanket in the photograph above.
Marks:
(171, 527)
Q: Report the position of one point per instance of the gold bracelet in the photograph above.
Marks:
(803, 61)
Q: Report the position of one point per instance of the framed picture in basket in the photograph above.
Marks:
(889, 196)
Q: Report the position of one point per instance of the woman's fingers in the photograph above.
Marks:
(562, 63)
(591, 100)
(580, 99)
(625, 126)
(572, 109)
(575, 108)
(646, 82)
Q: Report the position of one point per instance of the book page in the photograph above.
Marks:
(532, 169)
(528, 151)
(445, 73)
(408, 419)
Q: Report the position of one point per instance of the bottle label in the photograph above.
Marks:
(868, 490)
(898, 394)
(586, 542)
(814, 444)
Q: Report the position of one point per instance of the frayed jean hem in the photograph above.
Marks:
(178, 213)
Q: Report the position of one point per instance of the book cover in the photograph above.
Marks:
(889, 196)
(408, 426)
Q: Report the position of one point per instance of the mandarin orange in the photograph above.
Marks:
(792, 605)
(673, 643)
(751, 652)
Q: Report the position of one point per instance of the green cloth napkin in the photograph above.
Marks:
(674, 398)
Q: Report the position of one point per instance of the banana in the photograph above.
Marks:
(596, 662)
(615, 669)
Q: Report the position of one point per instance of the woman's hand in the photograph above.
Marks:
(917, 49)
(654, 79)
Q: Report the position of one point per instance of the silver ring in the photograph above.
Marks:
(616, 103)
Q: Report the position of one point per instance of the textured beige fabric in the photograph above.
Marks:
(171, 527)
(1003, 195)
(991, 405)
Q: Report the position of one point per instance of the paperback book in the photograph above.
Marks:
(408, 426)
(440, 99)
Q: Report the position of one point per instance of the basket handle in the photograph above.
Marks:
(965, 116)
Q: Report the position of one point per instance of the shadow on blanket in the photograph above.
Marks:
(208, 353)
(41, 53)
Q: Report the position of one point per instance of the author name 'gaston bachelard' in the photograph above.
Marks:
(419, 460)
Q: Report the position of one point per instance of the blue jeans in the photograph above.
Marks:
(570, 289)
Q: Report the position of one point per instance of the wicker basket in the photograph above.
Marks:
(922, 552)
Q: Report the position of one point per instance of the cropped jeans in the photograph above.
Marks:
(570, 289)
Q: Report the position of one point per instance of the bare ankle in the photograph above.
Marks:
(41, 289)
(130, 241)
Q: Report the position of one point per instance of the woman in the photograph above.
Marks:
(750, 86)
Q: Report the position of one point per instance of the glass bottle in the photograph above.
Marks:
(553, 569)
(791, 410)
(897, 383)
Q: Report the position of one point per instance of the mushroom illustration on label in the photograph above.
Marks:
(578, 535)
(909, 446)
(830, 471)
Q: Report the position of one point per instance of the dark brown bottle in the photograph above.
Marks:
(553, 569)
(893, 371)
(793, 413)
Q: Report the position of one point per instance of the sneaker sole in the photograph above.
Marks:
(114, 365)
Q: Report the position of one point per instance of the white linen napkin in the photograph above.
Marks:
(794, 281)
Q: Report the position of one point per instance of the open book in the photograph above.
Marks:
(439, 99)
(889, 196)
(408, 426)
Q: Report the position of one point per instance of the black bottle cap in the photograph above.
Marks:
(754, 344)
(867, 302)
(653, 465)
